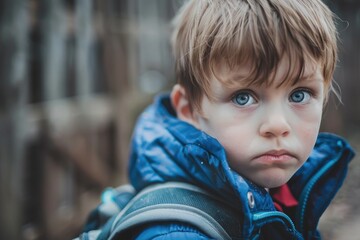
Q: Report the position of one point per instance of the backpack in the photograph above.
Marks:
(123, 209)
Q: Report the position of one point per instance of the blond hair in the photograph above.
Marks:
(259, 32)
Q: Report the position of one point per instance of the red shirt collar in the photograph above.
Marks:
(283, 198)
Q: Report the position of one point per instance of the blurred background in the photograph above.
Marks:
(74, 75)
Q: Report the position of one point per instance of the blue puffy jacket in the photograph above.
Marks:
(165, 149)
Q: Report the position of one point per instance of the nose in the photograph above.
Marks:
(275, 124)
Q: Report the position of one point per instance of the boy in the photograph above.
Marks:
(243, 120)
(253, 77)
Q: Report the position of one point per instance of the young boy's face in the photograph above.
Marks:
(268, 132)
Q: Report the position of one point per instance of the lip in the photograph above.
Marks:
(275, 156)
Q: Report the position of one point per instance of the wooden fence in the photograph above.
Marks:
(70, 78)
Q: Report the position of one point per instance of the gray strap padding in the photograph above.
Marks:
(169, 202)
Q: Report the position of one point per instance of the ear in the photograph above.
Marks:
(181, 105)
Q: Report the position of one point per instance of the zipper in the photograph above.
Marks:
(305, 194)
(262, 216)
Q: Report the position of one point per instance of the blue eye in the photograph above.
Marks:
(300, 96)
(243, 99)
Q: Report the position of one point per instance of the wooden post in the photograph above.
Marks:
(13, 97)
(53, 54)
(84, 48)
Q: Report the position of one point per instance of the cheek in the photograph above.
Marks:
(232, 129)
(310, 114)
(307, 128)
(308, 122)
(235, 139)
(307, 137)
(219, 124)
(235, 132)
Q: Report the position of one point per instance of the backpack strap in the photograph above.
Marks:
(179, 202)
(113, 201)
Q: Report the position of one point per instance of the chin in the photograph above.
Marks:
(272, 181)
(272, 184)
